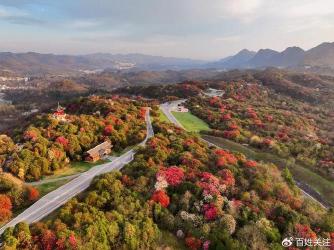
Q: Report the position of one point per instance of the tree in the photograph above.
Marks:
(228, 223)
(5, 202)
(62, 140)
(173, 175)
(33, 194)
(328, 221)
(252, 237)
(250, 164)
(227, 177)
(6, 145)
(130, 235)
(5, 214)
(210, 212)
(161, 197)
(23, 234)
(288, 177)
(73, 241)
(9, 240)
(108, 129)
(48, 239)
(193, 243)
(5, 208)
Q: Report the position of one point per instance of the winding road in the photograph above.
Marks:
(306, 189)
(58, 197)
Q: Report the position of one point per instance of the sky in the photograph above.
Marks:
(199, 29)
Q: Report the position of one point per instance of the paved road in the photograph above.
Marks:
(58, 197)
(167, 109)
(306, 189)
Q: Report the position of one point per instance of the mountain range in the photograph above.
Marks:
(318, 59)
(36, 63)
(292, 57)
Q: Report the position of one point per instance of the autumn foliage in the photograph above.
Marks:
(5, 202)
(173, 175)
(193, 243)
(161, 197)
(62, 140)
(33, 194)
(5, 214)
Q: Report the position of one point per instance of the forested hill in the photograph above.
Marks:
(179, 193)
(306, 87)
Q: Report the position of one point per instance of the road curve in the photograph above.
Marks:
(167, 107)
(58, 197)
(306, 189)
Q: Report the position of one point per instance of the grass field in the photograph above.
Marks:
(48, 187)
(190, 122)
(324, 187)
(162, 117)
(76, 168)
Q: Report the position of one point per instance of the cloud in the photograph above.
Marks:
(10, 12)
(319, 8)
(193, 28)
(243, 10)
(84, 24)
(17, 16)
(228, 39)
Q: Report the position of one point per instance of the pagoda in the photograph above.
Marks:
(59, 114)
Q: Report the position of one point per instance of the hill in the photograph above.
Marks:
(67, 86)
(308, 87)
(200, 197)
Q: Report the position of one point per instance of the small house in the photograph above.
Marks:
(181, 108)
(98, 152)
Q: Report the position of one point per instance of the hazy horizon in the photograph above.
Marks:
(188, 29)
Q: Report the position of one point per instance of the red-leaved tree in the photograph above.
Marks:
(62, 140)
(172, 175)
(48, 240)
(5, 214)
(161, 197)
(33, 194)
(5, 202)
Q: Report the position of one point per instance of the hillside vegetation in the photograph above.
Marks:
(207, 198)
(255, 115)
(49, 144)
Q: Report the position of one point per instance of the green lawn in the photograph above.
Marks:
(162, 117)
(190, 122)
(77, 167)
(48, 187)
(317, 182)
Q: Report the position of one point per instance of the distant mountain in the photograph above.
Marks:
(234, 61)
(292, 57)
(322, 55)
(262, 58)
(318, 60)
(36, 63)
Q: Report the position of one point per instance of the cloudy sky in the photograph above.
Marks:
(203, 29)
